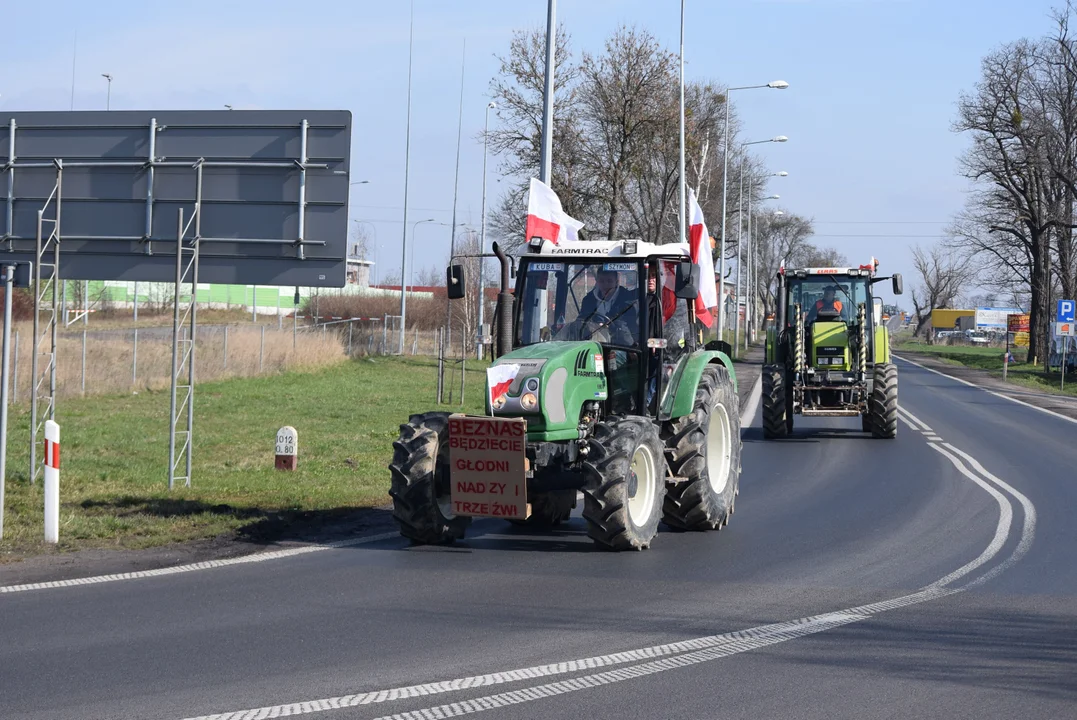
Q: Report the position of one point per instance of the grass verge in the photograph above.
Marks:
(113, 486)
(1023, 374)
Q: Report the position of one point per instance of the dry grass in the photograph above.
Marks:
(109, 367)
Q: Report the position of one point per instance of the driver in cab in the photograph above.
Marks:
(828, 304)
(609, 300)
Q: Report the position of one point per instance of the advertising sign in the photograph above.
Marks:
(1017, 323)
(488, 466)
(993, 317)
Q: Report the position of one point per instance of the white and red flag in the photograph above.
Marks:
(499, 379)
(700, 247)
(545, 218)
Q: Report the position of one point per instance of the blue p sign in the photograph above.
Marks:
(1066, 311)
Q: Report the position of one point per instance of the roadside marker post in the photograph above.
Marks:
(287, 450)
(52, 482)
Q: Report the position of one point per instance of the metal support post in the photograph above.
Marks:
(9, 276)
(134, 360)
(83, 362)
(183, 346)
(45, 283)
(262, 349)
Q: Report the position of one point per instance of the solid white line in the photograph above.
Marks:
(1028, 532)
(753, 403)
(206, 565)
(655, 659)
(1002, 532)
(992, 392)
(922, 425)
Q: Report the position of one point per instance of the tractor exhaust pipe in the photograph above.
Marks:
(504, 305)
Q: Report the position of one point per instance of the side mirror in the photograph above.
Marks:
(897, 283)
(454, 281)
(687, 286)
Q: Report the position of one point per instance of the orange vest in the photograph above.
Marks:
(819, 305)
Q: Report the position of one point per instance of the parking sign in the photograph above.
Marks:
(1065, 311)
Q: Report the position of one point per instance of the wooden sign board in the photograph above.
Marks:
(488, 466)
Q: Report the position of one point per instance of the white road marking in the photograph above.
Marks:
(920, 424)
(991, 392)
(656, 659)
(685, 653)
(206, 565)
(1005, 521)
(1028, 531)
(753, 403)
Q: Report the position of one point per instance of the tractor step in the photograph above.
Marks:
(835, 412)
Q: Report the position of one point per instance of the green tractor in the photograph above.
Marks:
(601, 385)
(828, 351)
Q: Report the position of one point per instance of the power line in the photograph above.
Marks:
(873, 235)
(880, 222)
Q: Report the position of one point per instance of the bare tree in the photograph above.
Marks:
(942, 274)
(777, 239)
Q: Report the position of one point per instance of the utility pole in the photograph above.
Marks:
(482, 230)
(680, 214)
(547, 94)
(407, 164)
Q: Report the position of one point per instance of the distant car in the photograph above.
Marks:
(976, 337)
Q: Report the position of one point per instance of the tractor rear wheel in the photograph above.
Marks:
(420, 481)
(625, 484)
(705, 448)
(884, 401)
(777, 418)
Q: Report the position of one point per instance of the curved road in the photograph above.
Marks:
(931, 575)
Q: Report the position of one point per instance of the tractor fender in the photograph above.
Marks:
(882, 345)
(681, 395)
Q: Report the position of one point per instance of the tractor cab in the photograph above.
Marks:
(828, 353)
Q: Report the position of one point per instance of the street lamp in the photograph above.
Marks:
(228, 106)
(482, 231)
(773, 85)
(740, 226)
(411, 269)
(108, 98)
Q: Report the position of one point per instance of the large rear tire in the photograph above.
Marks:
(420, 488)
(884, 401)
(625, 484)
(777, 420)
(705, 448)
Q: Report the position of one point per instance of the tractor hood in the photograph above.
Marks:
(550, 382)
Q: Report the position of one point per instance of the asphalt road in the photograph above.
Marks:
(927, 576)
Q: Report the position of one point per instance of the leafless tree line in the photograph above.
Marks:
(616, 141)
(1015, 234)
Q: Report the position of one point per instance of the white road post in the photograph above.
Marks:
(52, 482)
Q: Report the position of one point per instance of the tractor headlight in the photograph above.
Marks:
(529, 401)
(499, 403)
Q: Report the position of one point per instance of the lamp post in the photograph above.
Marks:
(407, 165)
(108, 97)
(411, 265)
(740, 226)
(775, 85)
(482, 230)
(750, 302)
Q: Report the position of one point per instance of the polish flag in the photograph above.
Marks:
(545, 218)
(699, 244)
(499, 378)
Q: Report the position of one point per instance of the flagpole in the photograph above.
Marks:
(680, 216)
(407, 164)
(547, 95)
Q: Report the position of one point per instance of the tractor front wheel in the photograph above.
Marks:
(705, 448)
(420, 481)
(883, 405)
(625, 484)
(777, 415)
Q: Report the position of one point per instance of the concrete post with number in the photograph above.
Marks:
(287, 449)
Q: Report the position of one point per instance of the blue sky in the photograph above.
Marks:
(873, 87)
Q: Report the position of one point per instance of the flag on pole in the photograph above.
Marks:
(545, 217)
(698, 242)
